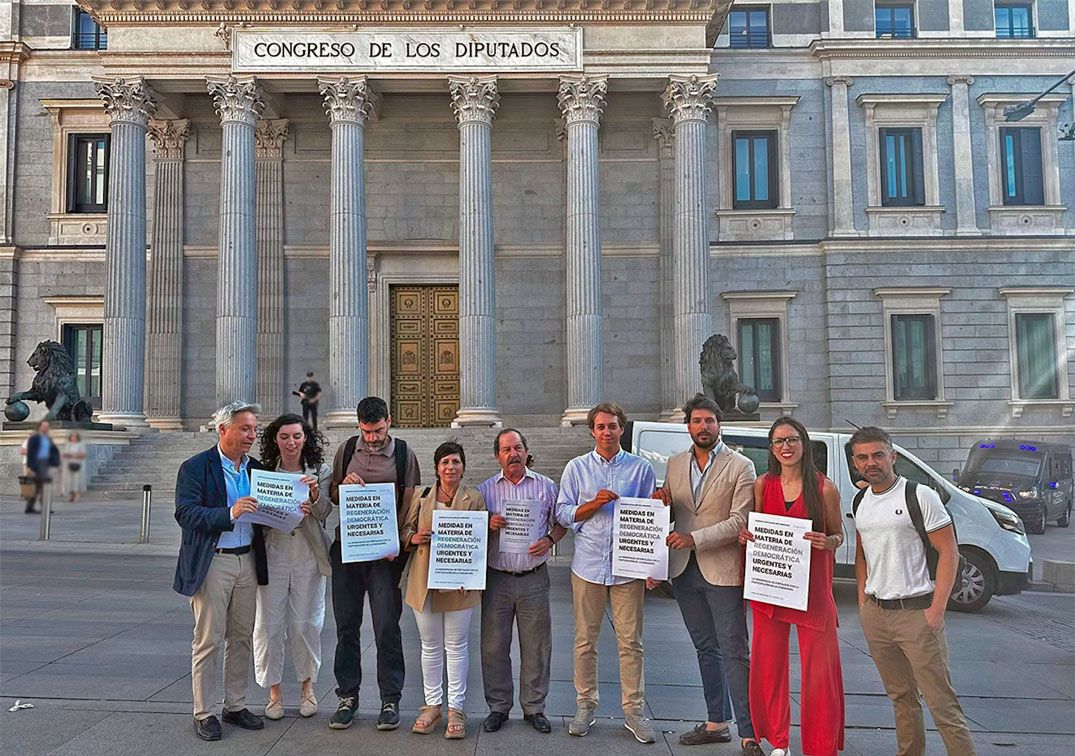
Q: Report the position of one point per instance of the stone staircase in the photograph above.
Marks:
(154, 458)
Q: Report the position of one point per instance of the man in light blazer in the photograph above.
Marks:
(711, 489)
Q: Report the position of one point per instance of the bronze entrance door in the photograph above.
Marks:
(425, 355)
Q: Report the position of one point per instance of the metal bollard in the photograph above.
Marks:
(46, 510)
(147, 507)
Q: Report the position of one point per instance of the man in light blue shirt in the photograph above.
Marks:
(589, 488)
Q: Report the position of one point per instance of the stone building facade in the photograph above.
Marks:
(510, 237)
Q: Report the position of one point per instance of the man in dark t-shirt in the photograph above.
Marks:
(309, 392)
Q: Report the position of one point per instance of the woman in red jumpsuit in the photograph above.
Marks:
(794, 488)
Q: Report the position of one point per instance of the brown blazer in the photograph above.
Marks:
(419, 517)
(716, 519)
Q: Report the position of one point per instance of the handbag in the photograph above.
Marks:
(27, 487)
(74, 466)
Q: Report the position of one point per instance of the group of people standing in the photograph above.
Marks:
(253, 587)
(43, 461)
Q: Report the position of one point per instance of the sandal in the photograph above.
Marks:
(428, 719)
(457, 725)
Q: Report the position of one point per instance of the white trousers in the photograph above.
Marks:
(444, 634)
(291, 606)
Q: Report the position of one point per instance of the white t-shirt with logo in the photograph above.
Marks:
(895, 557)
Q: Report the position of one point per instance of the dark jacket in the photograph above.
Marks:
(32, 448)
(201, 509)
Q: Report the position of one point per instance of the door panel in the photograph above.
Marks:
(425, 355)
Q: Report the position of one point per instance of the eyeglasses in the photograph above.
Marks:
(776, 443)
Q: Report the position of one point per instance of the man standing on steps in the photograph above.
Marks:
(517, 590)
(370, 457)
(589, 488)
(309, 393)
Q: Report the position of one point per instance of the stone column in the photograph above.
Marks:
(349, 103)
(239, 103)
(689, 100)
(269, 136)
(582, 98)
(475, 100)
(843, 209)
(129, 103)
(666, 198)
(164, 327)
(966, 212)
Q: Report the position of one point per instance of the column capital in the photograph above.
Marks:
(582, 98)
(348, 99)
(128, 100)
(474, 98)
(237, 98)
(269, 136)
(169, 137)
(960, 79)
(665, 135)
(689, 98)
(845, 81)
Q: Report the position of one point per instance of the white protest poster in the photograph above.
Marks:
(525, 525)
(778, 560)
(457, 550)
(639, 531)
(368, 526)
(279, 496)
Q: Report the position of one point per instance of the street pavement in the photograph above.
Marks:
(92, 634)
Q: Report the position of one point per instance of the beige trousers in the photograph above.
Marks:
(590, 600)
(910, 656)
(224, 609)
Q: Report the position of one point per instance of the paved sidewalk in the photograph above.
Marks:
(93, 635)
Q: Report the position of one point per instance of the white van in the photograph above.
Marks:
(991, 536)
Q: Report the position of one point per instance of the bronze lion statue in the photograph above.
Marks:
(55, 385)
(720, 382)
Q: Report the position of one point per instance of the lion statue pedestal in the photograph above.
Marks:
(55, 385)
(720, 382)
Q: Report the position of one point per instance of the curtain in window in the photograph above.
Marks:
(1036, 354)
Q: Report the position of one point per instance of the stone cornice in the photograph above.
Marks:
(830, 49)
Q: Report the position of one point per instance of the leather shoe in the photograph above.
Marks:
(244, 718)
(208, 728)
(539, 722)
(494, 721)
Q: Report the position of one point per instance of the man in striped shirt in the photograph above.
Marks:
(517, 588)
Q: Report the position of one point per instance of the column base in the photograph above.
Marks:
(165, 423)
(672, 415)
(574, 416)
(338, 418)
(488, 418)
(135, 421)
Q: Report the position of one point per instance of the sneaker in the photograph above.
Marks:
(583, 721)
(345, 713)
(389, 717)
(641, 728)
(780, 752)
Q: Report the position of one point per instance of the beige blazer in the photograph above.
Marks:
(419, 517)
(716, 518)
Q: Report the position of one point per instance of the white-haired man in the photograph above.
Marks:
(221, 563)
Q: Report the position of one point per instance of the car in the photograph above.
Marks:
(991, 537)
(1031, 478)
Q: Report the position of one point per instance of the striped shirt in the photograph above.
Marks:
(534, 487)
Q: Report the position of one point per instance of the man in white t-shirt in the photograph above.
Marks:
(901, 607)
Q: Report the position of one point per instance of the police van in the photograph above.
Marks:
(991, 537)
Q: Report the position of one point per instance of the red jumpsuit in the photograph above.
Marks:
(822, 702)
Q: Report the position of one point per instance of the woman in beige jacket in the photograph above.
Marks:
(293, 602)
(443, 616)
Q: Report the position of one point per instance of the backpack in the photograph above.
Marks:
(914, 509)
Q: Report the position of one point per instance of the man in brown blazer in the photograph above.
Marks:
(711, 489)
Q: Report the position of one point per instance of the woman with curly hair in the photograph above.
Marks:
(293, 602)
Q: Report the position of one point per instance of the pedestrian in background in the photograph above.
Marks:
(73, 474)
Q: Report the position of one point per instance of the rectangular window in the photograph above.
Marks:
(894, 20)
(87, 173)
(754, 166)
(914, 357)
(759, 356)
(902, 183)
(1023, 177)
(749, 28)
(1014, 20)
(83, 343)
(87, 34)
(1035, 345)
